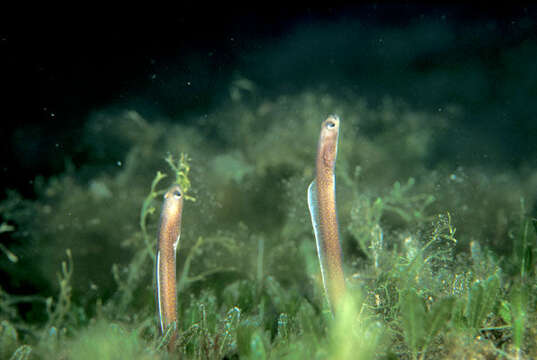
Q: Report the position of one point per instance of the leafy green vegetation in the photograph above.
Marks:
(440, 260)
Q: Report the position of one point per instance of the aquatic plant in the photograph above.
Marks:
(439, 259)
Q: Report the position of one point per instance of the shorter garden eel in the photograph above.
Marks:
(322, 206)
(168, 240)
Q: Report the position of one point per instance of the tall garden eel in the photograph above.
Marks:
(322, 206)
(168, 239)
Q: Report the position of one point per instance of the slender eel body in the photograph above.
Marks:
(168, 239)
(322, 206)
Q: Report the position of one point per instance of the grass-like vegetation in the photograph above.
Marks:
(439, 259)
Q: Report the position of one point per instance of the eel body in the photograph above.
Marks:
(168, 240)
(322, 206)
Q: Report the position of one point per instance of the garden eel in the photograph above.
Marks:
(322, 206)
(168, 239)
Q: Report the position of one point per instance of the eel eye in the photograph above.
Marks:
(330, 125)
(177, 194)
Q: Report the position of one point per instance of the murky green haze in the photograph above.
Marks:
(436, 194)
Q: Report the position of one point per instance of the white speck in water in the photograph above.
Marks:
(188, 83)
(119, 163)
(153, 76)
(52, 115)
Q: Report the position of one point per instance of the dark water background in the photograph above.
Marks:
(479, 58)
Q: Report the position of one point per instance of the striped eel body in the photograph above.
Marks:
(168, 240)
(322, 206)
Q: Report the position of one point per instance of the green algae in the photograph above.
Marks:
(439, 259)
